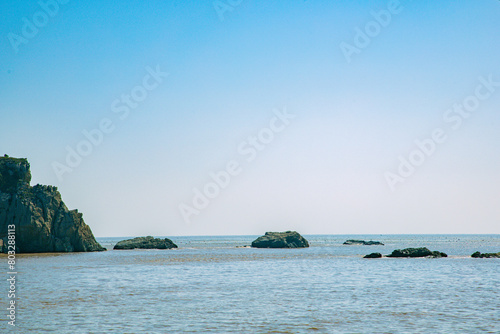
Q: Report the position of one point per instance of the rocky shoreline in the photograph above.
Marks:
(41, 220)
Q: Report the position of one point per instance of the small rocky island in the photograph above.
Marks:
(145, 243)
(416, 252)
(362, 242)
(288, 239)
(373, 256)
(42, 221)
(479, 255)
(409, 252)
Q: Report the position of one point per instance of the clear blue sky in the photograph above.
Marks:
(228, 69)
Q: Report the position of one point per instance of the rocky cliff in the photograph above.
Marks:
(42, 221)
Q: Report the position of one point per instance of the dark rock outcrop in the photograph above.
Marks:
(373, 256)
(486, 255)
(416, 252)
(145, 243)
(288, 239)
(42, 221)
(362, 242)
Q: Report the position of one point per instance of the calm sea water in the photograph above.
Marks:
(210, 286)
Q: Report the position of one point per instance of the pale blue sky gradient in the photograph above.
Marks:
(323, 174)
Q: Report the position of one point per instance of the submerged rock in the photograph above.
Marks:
(288, 239)
(486, 255)
(362, 242)
(145, 243)
(416, 252)
(42, 221)
(373, 256)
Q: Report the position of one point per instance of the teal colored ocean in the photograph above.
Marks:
(211, 285)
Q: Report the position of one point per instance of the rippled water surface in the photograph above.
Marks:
(209, 285)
